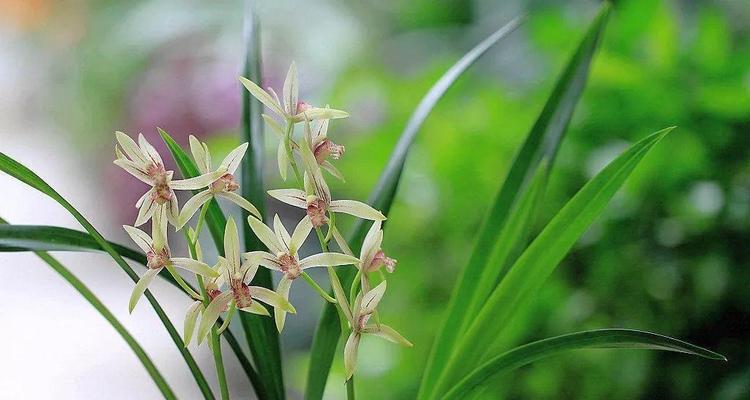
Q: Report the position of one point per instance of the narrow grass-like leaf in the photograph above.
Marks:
(388, 182)
(18, 238)
(258, 340)
(259, 328)
(514, 234)
(538, 261)
(87, 294)
(328, 330)
(542, 142)
(55, 238)
(25, 175)
(594, 339)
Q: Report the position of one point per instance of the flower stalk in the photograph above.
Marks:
(215, 345)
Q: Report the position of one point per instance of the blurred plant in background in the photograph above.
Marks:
(680, 228)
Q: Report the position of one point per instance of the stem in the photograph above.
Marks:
(199, 225)
(331, 226)
(343, 320)
(177, 277)
(323, 239)
(317, 288)
(350, 388)
(215, 345)
(353, 288)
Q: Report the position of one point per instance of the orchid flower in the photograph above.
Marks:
(316, 199)
(143, 162)
(322, 147)
(290, 108)
(283, 255)
(238, 277)
(213, 289)
(159, 256)
(224, 187)
(372, 257)
(359, 316)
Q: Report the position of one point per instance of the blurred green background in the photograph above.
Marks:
(669, 255)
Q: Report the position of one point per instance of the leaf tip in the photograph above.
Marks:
(666, 131)
(164, 135)
(714, 356)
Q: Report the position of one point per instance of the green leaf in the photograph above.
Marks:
(542, 142)
(25, 175)
(260, 342)
(328, 330)
(382, 196)
(594, 339)
(514, 235)
(252, 189)
(54, 238)
(538, 261)
(16, 238)
(87, 294)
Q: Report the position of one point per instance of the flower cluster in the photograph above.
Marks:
(226, 286)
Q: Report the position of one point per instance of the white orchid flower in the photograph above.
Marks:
(238, 277)
(316, 199)
(143, 162)
(213, 288)
(159, 256)
(322, 147)
(290, 108)
(224, 187)
(283, 255)
(371, 256)
(359, 316)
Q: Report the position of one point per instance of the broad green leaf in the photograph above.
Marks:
(594, 339)
(542, 142)
(87, 294)
(260, 342)
(25, 175)
(328, 330)
(537, 262)
(17, 238)
(252, 190)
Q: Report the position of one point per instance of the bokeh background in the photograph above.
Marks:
(670, 255)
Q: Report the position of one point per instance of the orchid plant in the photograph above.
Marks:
(496, 282)
(282, 255)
